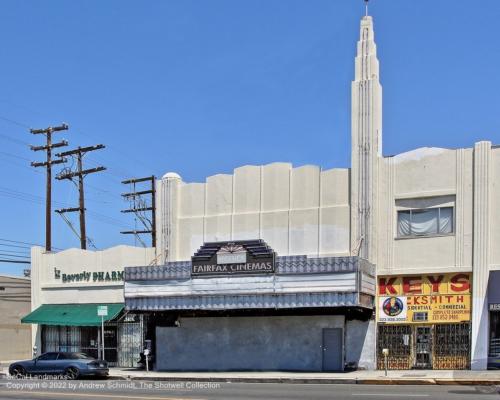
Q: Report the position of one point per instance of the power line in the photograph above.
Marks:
(24, 252)
(106, 218)
(14, 261)
(18, 241)
(121, 152)
(92, 214)
(14, 156)
(15, 122)
(16, 194)
(14, 140)
(121, 172)
(72, 227)
(118, 172)
(13, 255)
(19, 165)
(139, 206)
(16, 246)
(96, 188)
(114, 149)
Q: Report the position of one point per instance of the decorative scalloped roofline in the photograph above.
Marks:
(259, 166)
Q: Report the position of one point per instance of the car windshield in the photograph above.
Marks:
(75, 356)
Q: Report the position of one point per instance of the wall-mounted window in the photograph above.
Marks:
(425, 222)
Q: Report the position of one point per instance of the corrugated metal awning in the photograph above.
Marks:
(228, 302)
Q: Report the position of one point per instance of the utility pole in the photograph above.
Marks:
(80, 173)
(48, 164)
(139, 206)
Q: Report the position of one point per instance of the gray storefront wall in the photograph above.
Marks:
(322, 298)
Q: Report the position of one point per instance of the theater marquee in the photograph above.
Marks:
(237, 257)
(437, 298)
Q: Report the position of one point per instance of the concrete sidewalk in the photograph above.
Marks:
(358, 377)
(412, 377)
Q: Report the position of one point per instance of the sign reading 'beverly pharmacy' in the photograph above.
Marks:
(85, 276)
(237, 257)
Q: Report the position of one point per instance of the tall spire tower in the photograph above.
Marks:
(366, 143)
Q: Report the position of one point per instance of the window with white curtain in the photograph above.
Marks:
(430, 221)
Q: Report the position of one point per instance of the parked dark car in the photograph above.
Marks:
(71, 365)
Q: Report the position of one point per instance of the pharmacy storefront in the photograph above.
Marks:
(68, 290)
(424, 321)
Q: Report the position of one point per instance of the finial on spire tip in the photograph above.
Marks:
(366, 7)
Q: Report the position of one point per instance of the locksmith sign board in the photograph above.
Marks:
(424, 298)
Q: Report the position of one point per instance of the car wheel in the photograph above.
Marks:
(72, 373)
(18, 371)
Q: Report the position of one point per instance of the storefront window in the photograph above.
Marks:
(494, 333)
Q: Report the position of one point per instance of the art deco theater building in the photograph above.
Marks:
(277, 267)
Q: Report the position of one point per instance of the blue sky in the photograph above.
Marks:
(201, 87)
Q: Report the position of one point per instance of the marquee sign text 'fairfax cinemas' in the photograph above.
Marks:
(233, 268)
(237, 257)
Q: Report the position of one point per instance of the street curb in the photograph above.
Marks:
(327, 381)
(396, 381)
(331, 381)
(468, 382)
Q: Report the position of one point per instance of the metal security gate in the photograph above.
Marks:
(430, 346)
(61, 338)
(398, 339)
(452, 349)
(130, 343)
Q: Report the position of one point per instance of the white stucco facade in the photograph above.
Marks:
(340, 212)
(297, 210)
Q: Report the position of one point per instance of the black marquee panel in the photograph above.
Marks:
(233, 257)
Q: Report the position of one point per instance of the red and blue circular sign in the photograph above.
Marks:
(392, 306)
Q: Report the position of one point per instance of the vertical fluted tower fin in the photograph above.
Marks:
(366, 144)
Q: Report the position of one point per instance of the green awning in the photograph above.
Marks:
(71, 314)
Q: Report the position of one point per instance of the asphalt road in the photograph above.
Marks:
(138, 390)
